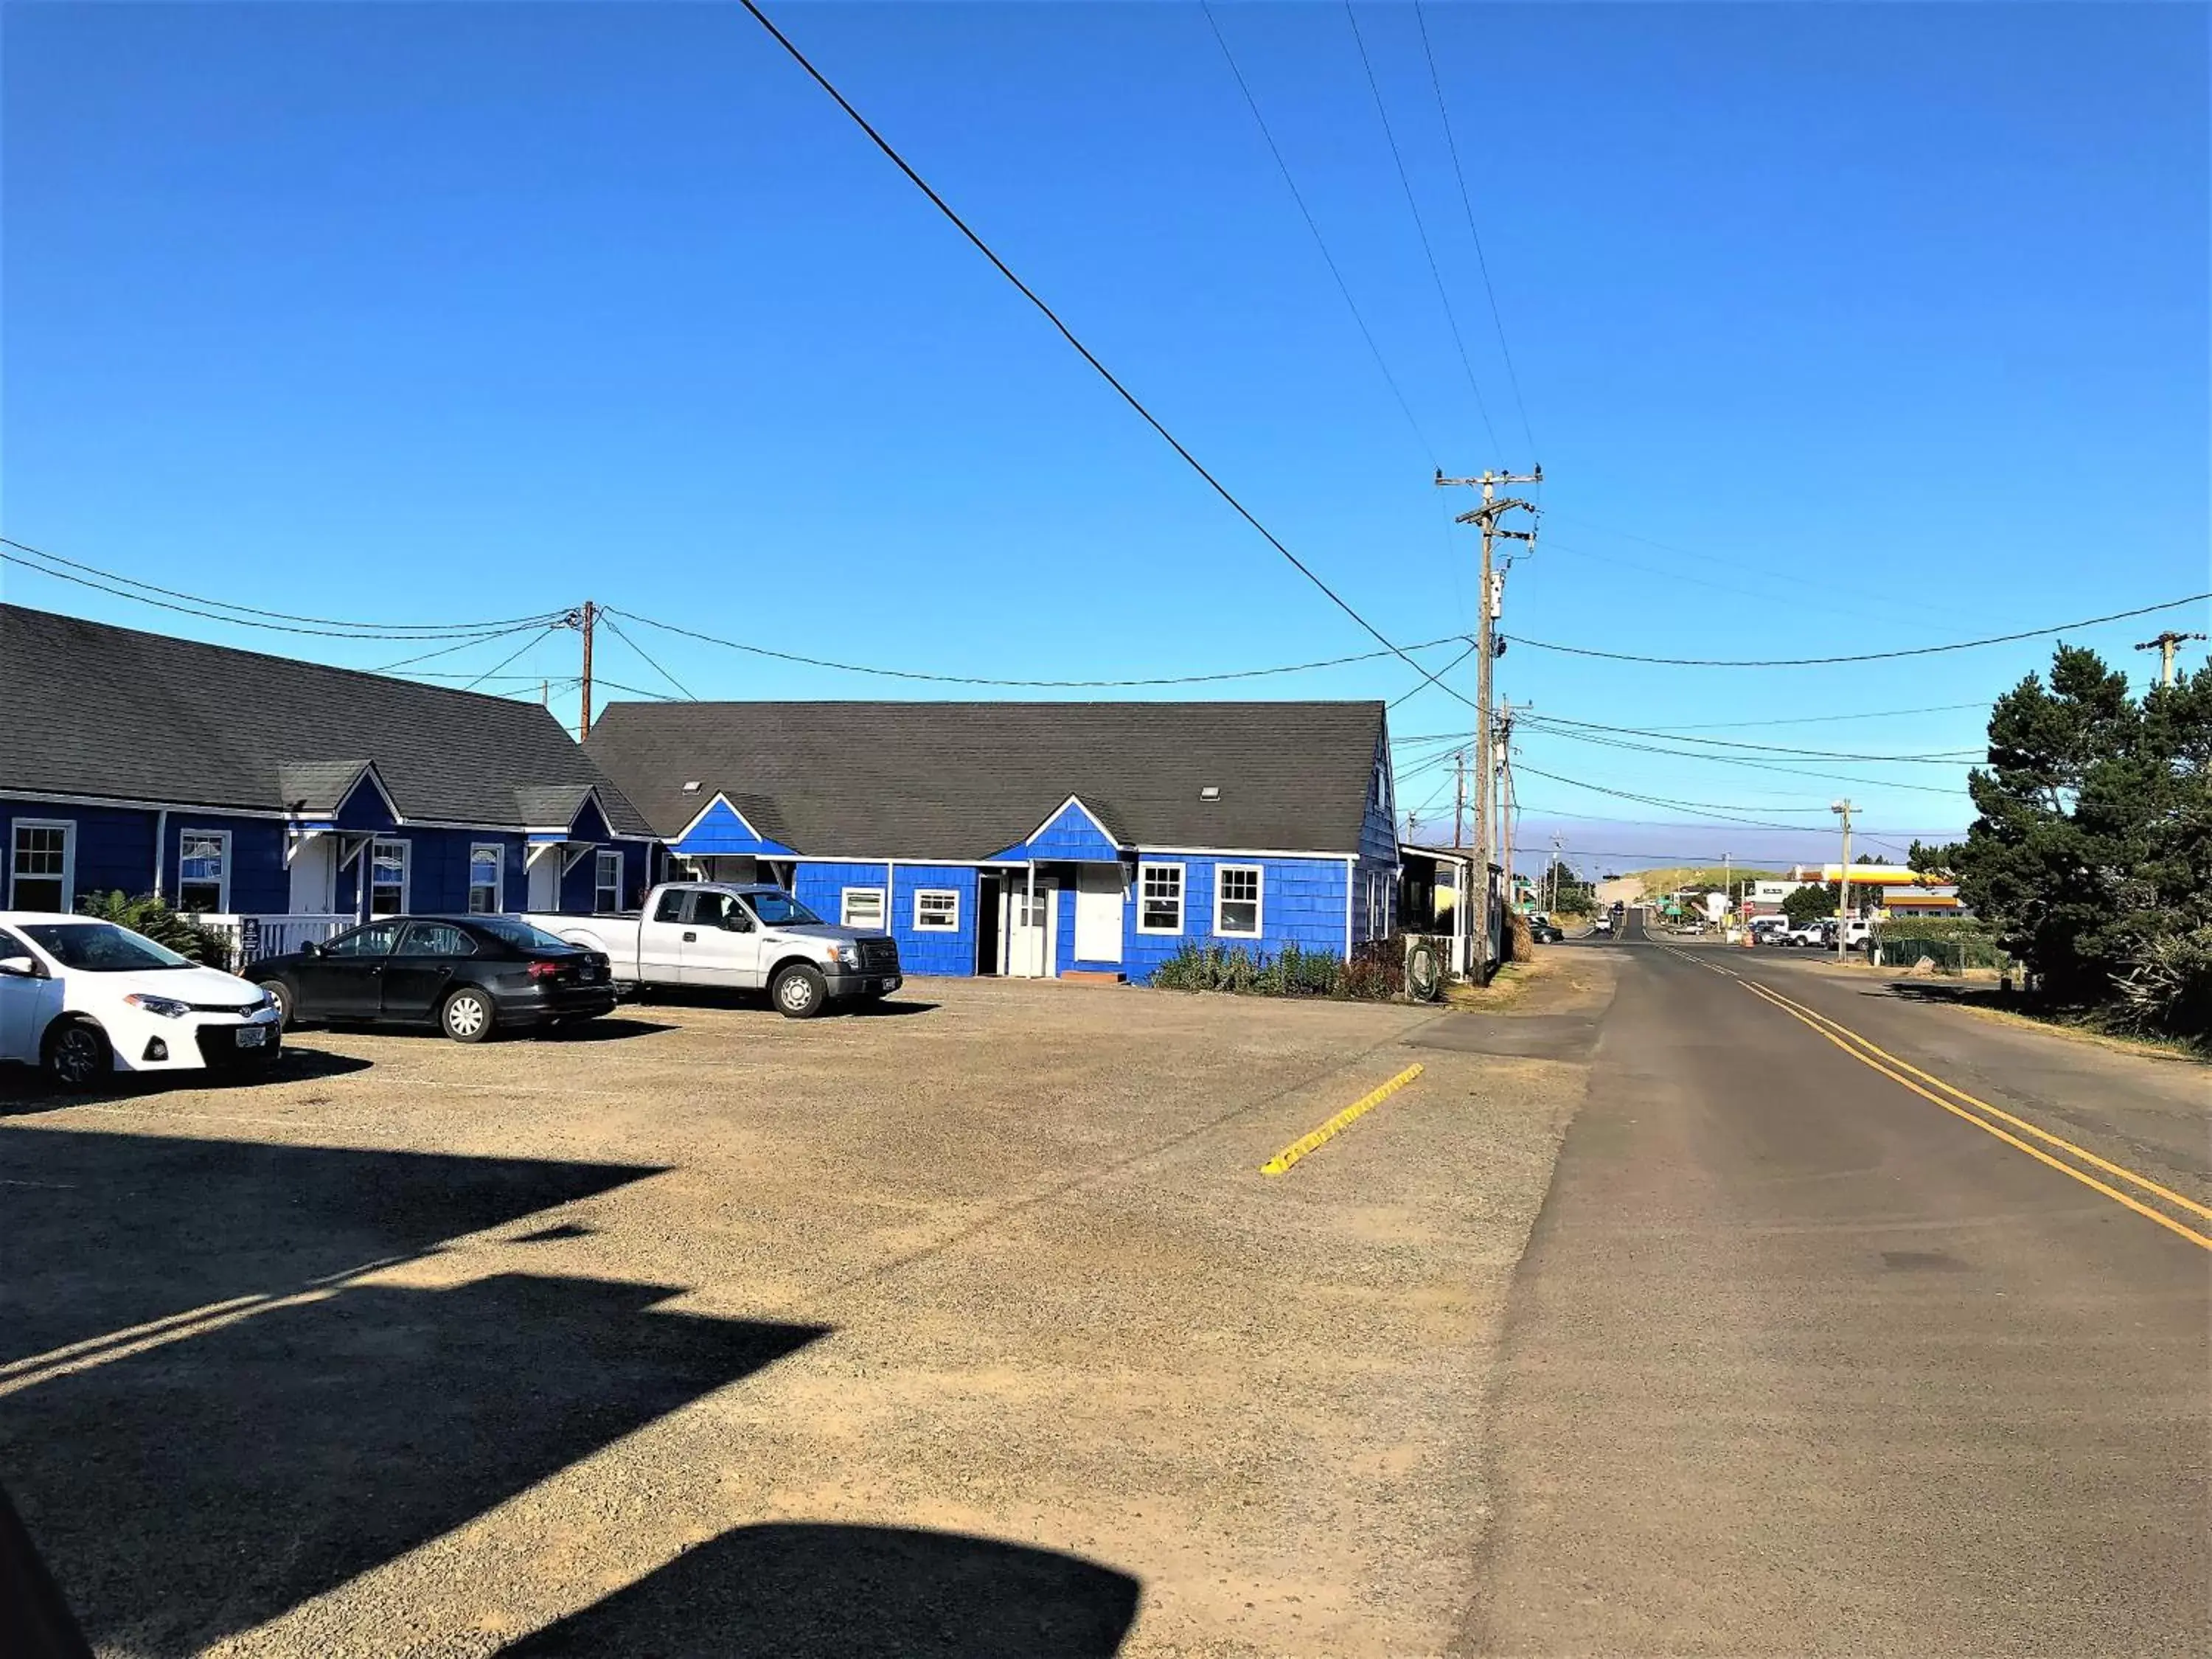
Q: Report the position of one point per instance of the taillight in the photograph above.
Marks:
(544, 971)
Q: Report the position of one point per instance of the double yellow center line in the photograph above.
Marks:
(2068, 1158)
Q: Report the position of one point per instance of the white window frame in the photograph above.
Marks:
(845, 897)
(946, 920)
(1182, 897)
(68, 827)
(599, 883)
(406, 874)
(221, 906)
(498, 876)
(1259, 874)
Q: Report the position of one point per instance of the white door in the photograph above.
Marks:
(545, 881)
(1098, 900)
(1032, 923)
(720, 942)
(315, 878)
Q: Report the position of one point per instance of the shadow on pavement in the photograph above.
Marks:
(105, 1231)
(185, 1493)
(851, 1592)
(704, 996)
(23, 1089)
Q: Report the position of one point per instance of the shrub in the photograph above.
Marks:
(1375, 973)
(151, 915)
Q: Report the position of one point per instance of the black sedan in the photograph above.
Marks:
(467, 975)
(1544, 934)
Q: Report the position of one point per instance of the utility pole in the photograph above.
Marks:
(1505, 795)
(1552, 905)
(2165, 645)
(1842, 809)
(1459, 804)
(586, 617)
(1485, 517)
(1728, 892)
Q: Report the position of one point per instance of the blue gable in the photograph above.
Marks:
(1071, 833)
(722, 828)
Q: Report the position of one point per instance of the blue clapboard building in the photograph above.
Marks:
(1032, 839)
(287, 800)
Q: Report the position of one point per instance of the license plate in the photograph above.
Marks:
(252, 1037)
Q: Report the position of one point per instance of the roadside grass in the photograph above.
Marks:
(1993, 1002)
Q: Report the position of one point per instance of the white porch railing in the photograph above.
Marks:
(253, 937)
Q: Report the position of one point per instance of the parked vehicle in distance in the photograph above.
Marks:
(84, 998)
(470, 976)
(1768, 930)
(743, 938)
(1543, 933)
(1603, 924)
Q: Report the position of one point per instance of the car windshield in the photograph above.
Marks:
(101, 947)
(781, 911)
(530, 938)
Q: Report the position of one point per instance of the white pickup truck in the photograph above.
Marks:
(741, 937)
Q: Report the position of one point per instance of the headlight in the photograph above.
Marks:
(168, 1008)
(847, 955)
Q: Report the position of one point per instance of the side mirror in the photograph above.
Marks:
(311, 949)
(19, 968)
(736, 923)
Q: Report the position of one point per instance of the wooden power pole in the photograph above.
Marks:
(1485, 519)
(2165, 645)
(589, 614)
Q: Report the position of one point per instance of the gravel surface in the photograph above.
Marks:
(969, 1326)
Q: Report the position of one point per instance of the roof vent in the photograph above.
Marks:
(1211, 791)
(692, 788)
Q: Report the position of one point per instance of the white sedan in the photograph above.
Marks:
(83, 998)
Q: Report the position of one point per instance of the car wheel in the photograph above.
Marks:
(799, 993)
(467, 1016)
(77, 1056)
(275, 991)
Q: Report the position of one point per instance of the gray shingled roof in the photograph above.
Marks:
(963, 780)
(90, 709)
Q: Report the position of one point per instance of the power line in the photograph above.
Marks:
(1446, 669)
(1481, 259)
(1032, 685)
(1956, 758)
(1864, 656)
(1422, 230)
(447, 651)
(1730, 813)
(641, 652)
(423, 630)
(1758, 766)
(1082, 350)
(503, 661)
(1342, 287)
(1734, 726)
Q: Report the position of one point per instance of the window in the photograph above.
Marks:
(374, 940)
(862, 907)
(204, 869)
(937, 911)
(671, 907)
(1159, 899)
(712, 909)
(101, 947)
(43, 864)
(486, 863)
(776, 910)
(1236, 900)
(388, 879)
(437, 938)
(606, 882)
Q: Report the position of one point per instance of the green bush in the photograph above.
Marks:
(1290, 973)
(151, 915)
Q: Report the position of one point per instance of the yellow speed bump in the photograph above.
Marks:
(1343, 1121)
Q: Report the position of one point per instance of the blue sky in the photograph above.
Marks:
(1839, 328)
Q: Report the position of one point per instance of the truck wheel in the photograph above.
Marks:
(466, 1015)
(76, 1055)
(799, 992)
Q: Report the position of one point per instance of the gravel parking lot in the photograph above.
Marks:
(970, 1326)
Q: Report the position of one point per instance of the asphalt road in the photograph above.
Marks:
(1801, 1360)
